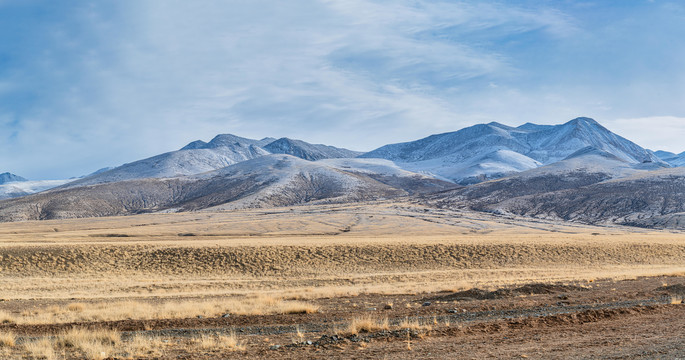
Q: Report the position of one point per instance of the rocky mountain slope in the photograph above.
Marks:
(267, 181)
(490, 151)
(590, 186)
(308, 151)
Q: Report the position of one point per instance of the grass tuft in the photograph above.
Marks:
(40, 349)
(414, 325)
(365, 324)
(7, 339)
(221, 342)
(6, 318)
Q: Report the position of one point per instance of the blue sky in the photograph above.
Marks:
(88, 84)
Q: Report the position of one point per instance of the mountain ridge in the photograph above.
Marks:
(576, 171)
(8, 177)
(544, 144)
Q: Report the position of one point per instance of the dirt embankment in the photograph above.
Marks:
(301, 260)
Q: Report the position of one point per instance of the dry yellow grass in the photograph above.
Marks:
(141, 346)
(368, 324)
(6, 318)
(7, 339)
(414, 325)
(95, 344)
(77, 337)
(99, 344)
(127, 310)
(78, 307)
(41, 349)
(220, 342)
(364, 324)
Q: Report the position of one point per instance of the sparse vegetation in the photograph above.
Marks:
(365, 324)
(41, 349)
(220, 342)
(414, 325)
(78, 307)
(141, 346)
(7, 339)
(122, 310)
(6, 318)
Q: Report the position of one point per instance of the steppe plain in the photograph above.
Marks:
(368, 280)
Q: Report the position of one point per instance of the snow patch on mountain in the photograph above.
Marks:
(369, 166)
(672, 159)
(27, 187)
(222, 151)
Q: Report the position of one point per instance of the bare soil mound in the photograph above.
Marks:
(529, 289)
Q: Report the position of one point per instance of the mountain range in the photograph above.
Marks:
(576, 171)
(672, 158)
(490, 151)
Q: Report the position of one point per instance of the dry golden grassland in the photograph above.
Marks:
(301, 253)
(99, 344)
(309, 252)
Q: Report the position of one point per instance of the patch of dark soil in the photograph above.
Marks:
(678, 289)
(529, 289)
(584, 317)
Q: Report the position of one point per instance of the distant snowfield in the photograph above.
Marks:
(22, 188)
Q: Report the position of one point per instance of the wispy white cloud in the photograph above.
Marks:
(101, 83)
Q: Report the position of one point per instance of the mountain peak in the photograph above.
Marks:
(229, 139)
(496, 124)
(307, 151)
(197, 144)
(583, 120)
(9, 177)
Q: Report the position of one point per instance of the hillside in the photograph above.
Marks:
(267, 181)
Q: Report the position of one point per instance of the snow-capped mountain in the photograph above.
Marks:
(308, 151)
(227, 140)
(12, 186)
(199, 157)
(194, 158)
(672, 159)
(9, 177)
(489, 151)
(589, 168)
